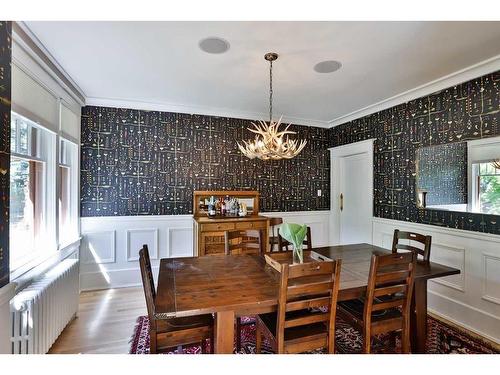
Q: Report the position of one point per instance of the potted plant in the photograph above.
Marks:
(295, 234)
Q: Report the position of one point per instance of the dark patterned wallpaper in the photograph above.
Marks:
(468, 111)
(442, 172)
(149, 163)
(5, 87)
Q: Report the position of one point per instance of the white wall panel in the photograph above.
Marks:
(491, 288)
(471, 299)
(453, 256)
(136, 238)
(99, 247)
(180, 242)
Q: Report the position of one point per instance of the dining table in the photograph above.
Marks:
(239, 285)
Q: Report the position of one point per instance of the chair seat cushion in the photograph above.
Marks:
(355, 308)
(293, 333)
(179, 324)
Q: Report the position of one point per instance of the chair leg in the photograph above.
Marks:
(405, 339)
(212, 347)
(258, 338)
(392, 340)
(238, 334)
(152, 342)
(367, 340)
(366, 345)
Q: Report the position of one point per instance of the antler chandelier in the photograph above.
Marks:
(270, 142)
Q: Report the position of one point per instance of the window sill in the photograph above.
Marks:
(24, 275)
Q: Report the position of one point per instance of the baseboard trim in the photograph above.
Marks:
(450, 306)
(448, 320)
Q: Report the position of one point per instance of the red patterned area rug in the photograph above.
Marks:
(442, 339)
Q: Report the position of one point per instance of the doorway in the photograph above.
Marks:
(352, 193)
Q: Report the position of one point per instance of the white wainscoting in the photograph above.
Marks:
(110, 245)
(471, 299)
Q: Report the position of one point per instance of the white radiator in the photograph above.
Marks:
(42, 310)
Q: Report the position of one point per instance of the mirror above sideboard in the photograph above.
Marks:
(461, 176)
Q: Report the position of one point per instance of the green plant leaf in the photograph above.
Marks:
(293, 233)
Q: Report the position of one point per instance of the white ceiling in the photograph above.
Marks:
(160, 62)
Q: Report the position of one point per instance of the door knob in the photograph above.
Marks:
(341, 202)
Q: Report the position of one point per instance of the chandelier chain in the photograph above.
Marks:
(270, 91)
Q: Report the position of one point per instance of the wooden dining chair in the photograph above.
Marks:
(386, 306)
(284, 245)
(273, 224)
(168, 333)
(302, 323)
(244, 242)
(426, 241)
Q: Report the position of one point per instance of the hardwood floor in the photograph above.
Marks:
(105, 322)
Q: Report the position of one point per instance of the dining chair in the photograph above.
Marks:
(307, 306)
(386, 306)
(284, 245)
(420, 238)
(244, 242)
(273, 224)
(169, 333)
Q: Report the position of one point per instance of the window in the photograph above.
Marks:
(30, 200)
(68, 193)
(487, 188)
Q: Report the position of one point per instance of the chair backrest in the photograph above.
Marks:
(390, 283)
(273, 222)
(244, 242)
(284, 245)
(148, 282)
(303, 287)
(424, 240)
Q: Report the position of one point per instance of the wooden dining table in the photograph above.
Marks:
(239, 285)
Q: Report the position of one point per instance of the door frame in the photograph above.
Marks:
(337, 153)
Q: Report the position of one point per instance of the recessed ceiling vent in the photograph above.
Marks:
(214, 45)
(329, 66)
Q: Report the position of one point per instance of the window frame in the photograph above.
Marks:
(476, 184)
(44, 151)
(74, 185)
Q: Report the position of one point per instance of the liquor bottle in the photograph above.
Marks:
(217, 207)
(223, 208)
(211, 207)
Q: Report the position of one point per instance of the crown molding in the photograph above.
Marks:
(474, 71)
(35, 48)
(198, 110)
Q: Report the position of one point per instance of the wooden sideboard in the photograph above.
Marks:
(209, 232)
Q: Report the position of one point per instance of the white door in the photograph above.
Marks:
(352, 193)
(356, 208)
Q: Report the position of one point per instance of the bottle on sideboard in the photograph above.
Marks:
(223, 207)
(211, 207)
